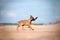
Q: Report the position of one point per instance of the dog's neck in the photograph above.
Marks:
(29, 21)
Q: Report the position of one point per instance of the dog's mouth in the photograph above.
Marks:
(34, 19)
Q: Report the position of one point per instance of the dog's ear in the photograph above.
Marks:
(31, 17)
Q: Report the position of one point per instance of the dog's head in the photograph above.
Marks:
(32, 18)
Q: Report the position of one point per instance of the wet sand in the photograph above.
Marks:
(41, 32)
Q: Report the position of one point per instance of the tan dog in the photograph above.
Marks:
(23, 23)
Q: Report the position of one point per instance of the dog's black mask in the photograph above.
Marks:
(34, 19)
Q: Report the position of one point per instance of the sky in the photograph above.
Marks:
(12, 11)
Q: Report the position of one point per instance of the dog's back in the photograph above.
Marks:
(24, 22)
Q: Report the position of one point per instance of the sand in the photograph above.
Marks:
(40, 32)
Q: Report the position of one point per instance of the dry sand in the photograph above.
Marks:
(41, 32)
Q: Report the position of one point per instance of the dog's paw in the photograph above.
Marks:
(32, 29)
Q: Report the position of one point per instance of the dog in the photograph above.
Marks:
(23, 23)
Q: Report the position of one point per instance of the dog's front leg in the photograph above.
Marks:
(30, 27)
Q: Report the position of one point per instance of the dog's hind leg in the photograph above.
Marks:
(23, 26)
(18, 27)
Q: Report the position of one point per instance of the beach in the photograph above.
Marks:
(40, 32)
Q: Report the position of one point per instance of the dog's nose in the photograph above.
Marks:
(36, 17)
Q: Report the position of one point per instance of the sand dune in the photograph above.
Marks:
(41, 32)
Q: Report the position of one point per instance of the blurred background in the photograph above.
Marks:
(47, 11)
